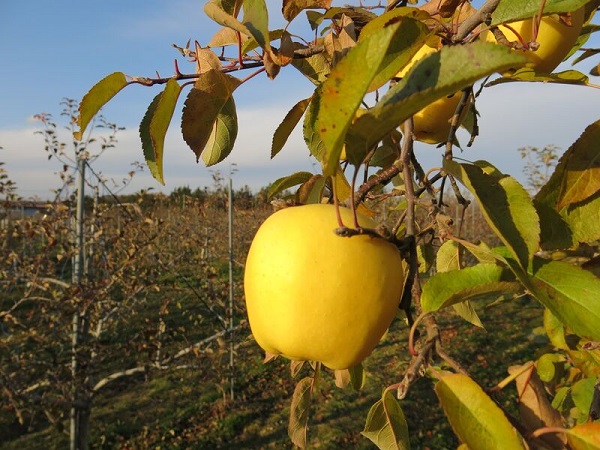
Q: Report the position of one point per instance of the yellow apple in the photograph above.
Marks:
(555, 39)
(314, 295)
(432, 123)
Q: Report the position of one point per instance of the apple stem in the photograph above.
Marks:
(535, 25)
(336, 203)
(352, 204)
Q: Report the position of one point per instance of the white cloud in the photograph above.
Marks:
(27, 163)
(512, 116)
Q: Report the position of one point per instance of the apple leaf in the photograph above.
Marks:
(435, 76)
(299, 411)
(582, 217)
(355, 377)
(154, 160)
(311, 191)
(512, 10)
(285, 128)
(226, 36)
(256, 20)
(581, 176)
(555, 233)
(211, 92)
(475, 418)
(98, 96)
(448, 259)
(316, 67)
(402, 48)
(221, 140)
(535, 410)
(448, 288)
(505, 204)
(585, 436)
(527, 74)
(582, 393)
(570, 293)
(251, 44)
(311, 136)
(386, 425)
(154, 125)
(284, 183)
(467, 312)
(215, 11)
(291, 8)
(344, 89)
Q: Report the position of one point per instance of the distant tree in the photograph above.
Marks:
(539, 164)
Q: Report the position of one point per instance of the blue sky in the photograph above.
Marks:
(53, 50)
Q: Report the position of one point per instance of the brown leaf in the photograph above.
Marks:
(271, 67)
(206, 60)
(299, 411)
(291, 8)
(285, 54)
(342, 378)
(535, 408)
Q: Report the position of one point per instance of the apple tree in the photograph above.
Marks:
(385, 76)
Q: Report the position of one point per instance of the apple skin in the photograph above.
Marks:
(313, 295)
(555, 39)
(432, 124)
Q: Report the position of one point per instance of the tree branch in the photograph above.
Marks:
(482, 15)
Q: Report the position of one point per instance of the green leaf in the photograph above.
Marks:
(506, 207)
(311, 136)
(582, 218)
(475, 418)
(221, 141)
(316, 67)
(211, 92)
(355, 377)
(581, 176)
(585, 436)
(527, 74)
(435, 76)
(299, 411)
(284, 183)
(570, 293)
(402, 48)
(512, 10)
(555, 233)
(468, 313)
(448, 288)
(251, 43)
(386, 425)
(343, 91)
(285, 128)
(154, 125)
(311, 191)
(154, 160)
(256, 20)
(582, 393)
(215, 11)
(426, 256)
(98, 96)
(448, 257)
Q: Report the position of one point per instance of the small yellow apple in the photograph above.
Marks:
(313, 295)
(555, 38)
(432, 123)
